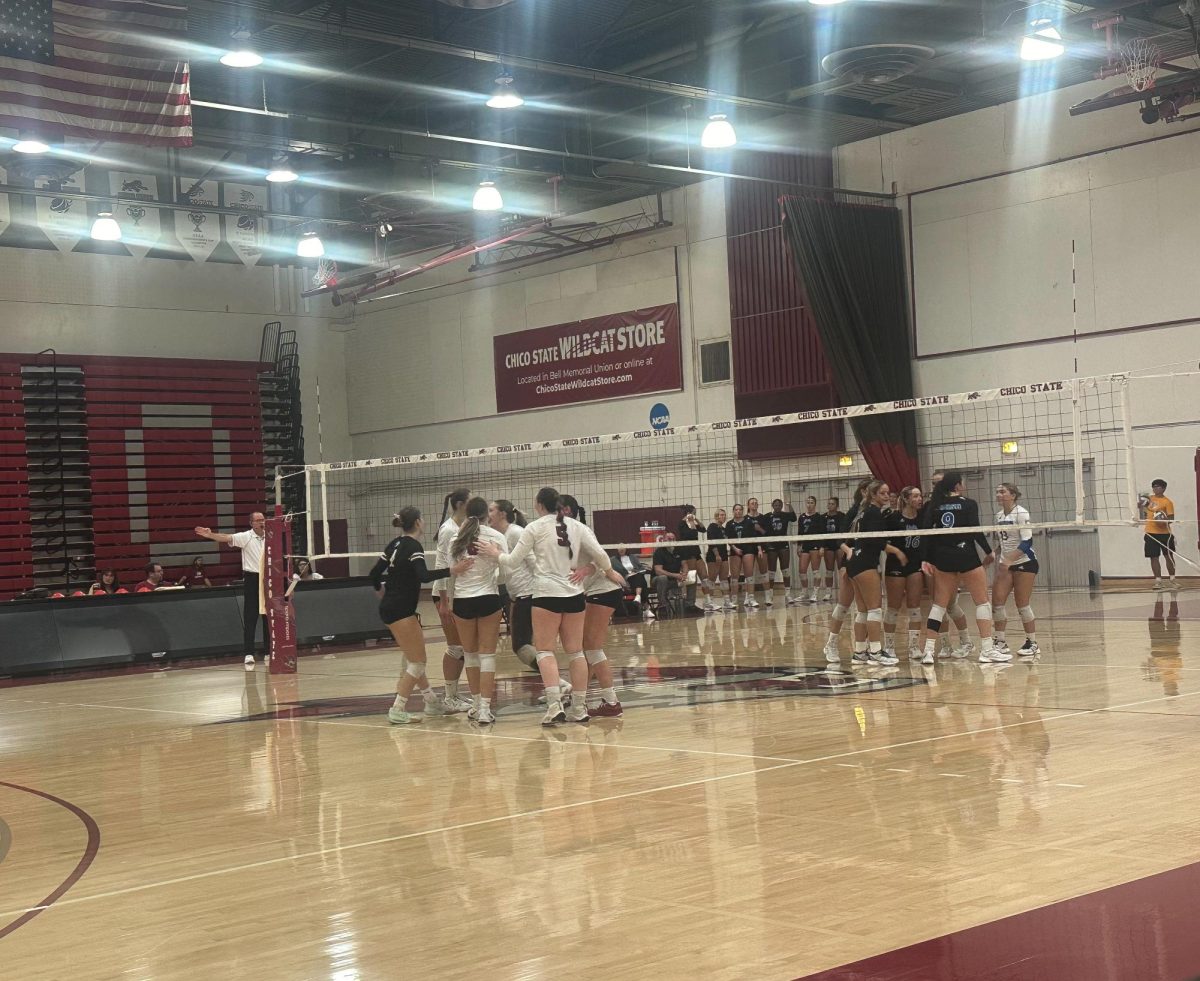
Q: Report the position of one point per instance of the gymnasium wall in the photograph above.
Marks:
(172, 332)
(994, 201)
(421, 379)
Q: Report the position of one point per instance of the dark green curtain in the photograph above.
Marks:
(850, 259)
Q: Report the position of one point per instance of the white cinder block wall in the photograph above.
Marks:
(995, 199)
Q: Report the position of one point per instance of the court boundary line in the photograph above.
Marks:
(483, 822)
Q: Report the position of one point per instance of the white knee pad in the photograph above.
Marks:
(527, 655)
(456, 652)
(839, 612)
(983, 611)
(890, 616)
(545, 656)
(937, 614)
(415, 669)
(876, 615)
(1026, 613)
(472, 660)
(914, 613)
(487, 663)
(860, 617)
(576, 656)
(595, 657)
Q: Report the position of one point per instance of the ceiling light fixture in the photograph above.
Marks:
(825, 3)
(719, 133)
(105, 228)
(1043, 41)
(29, 143)
(505, 94)
(281, 171)
(310, 246)
(241, 55)
(487, 197)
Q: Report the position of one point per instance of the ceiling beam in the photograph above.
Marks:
(594, 75)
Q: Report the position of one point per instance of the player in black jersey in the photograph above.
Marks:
(955, 558)
(777, 555)
(403, 562)
(743, 557)
(835, 523)
(845, 591)
(903, 577)
(717, 557)
(694, 566)
(759, 577)
(808, 558)
(862, 570)
(953, 611)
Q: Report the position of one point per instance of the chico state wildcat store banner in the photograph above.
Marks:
(634, 353)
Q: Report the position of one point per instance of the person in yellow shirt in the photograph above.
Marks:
(1159, 512)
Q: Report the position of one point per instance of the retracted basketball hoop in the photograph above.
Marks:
(1141, 59)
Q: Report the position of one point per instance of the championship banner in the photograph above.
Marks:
(244, 232)
(277, 596)
(139, 221)
(64, 220)
(198, 231)
(635, 353)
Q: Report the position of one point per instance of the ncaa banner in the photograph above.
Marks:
(621, 354)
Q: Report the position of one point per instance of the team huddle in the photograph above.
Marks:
(559, 587)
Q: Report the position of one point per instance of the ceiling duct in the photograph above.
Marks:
(476, 4)
(876, 63)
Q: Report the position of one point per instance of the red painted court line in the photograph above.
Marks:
(1144, 930)
(89, 854)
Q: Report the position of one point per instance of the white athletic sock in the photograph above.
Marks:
(398, 704)
(999, 635)
(860, 646)
(914, 638)
(1031, 636)
(452, 689)
(485, 702)
(609, 695)
(986, 643)
(553, 694)
(874, 646)
(833, 639)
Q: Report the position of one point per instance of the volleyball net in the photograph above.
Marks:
(1068, 445)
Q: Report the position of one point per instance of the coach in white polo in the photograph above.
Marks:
(251, 544)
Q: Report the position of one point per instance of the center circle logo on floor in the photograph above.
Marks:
(660, 416)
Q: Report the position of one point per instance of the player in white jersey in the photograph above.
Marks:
(454, 509)
(1016, 570)
(477, 606)
(563, 551)
(518, 582)
(603, 598)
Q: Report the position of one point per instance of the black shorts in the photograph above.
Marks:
(778, 547)
(477, 607)
(395, 610)
(1030, 567)
(717, 553)
(956, 560)
(561, 604)
(612, 599)
(688, 552)
(898, 571)
(862, 563)
(1156, 545)
(811, 546)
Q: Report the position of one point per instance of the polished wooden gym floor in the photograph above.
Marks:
(751, 816)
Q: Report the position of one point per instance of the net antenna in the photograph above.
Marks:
(1141, 59)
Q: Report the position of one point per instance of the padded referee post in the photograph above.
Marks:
(277, 597)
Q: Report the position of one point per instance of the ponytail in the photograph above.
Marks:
(511, 514)
(551, 503)
(468, 533)
(572, 508)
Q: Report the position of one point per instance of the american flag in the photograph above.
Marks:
(96, 69)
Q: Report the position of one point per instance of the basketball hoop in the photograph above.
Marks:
(1141, 59)
(326, 274)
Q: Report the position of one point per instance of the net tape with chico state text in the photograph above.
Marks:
(1017, 392)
